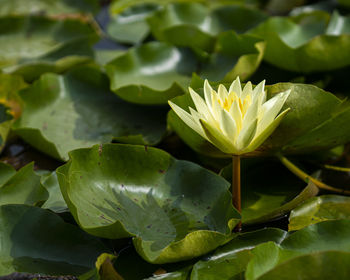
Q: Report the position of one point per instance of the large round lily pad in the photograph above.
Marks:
(77, 110)
(32, 45)
(317, 120)
(175, 210)
(152, 73)
(308, 43)
(35, 240)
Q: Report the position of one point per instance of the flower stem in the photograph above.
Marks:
(236, 182)
(236, 186)
(306, 177)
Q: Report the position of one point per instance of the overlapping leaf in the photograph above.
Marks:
(266, 196)
(175, 210)
(318, 209)
(196, 25)
(307, 43)
(230, 261)
(317, 120)
(50, 7)
(77, 110)
(151, 73)
(315, 245)
(22, 187)
(32, 45)
(35, 240)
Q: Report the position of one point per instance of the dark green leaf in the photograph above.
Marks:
(37, 241)
(63, 113)
(33, 45)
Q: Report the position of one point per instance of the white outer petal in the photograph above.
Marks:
(207, 95)
(201, 106)
(270, 109)
(228, 126)
(187, 119)
(236, 87)
(248, 89)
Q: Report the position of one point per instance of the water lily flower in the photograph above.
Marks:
(237, 121)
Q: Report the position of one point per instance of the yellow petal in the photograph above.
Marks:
(222, 92)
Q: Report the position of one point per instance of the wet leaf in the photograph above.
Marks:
(77, 110)
(170, 207)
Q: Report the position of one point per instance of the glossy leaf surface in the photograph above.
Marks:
(170, 207)
(151, 73)
(308, 43)
(318, 209)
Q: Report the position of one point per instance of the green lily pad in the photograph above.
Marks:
(318, 209)
(234, 55)
(196, 25)
(22, 187)
(307, 43)
(230, 261)
(266, 196)
(55, 202)
(50, 7)
(130, 26)
(35, 240)
(320, 266)
(323, 237)
(318, 120)
(33, 45)
(151, 73)
(175, 210)
(77, 110)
